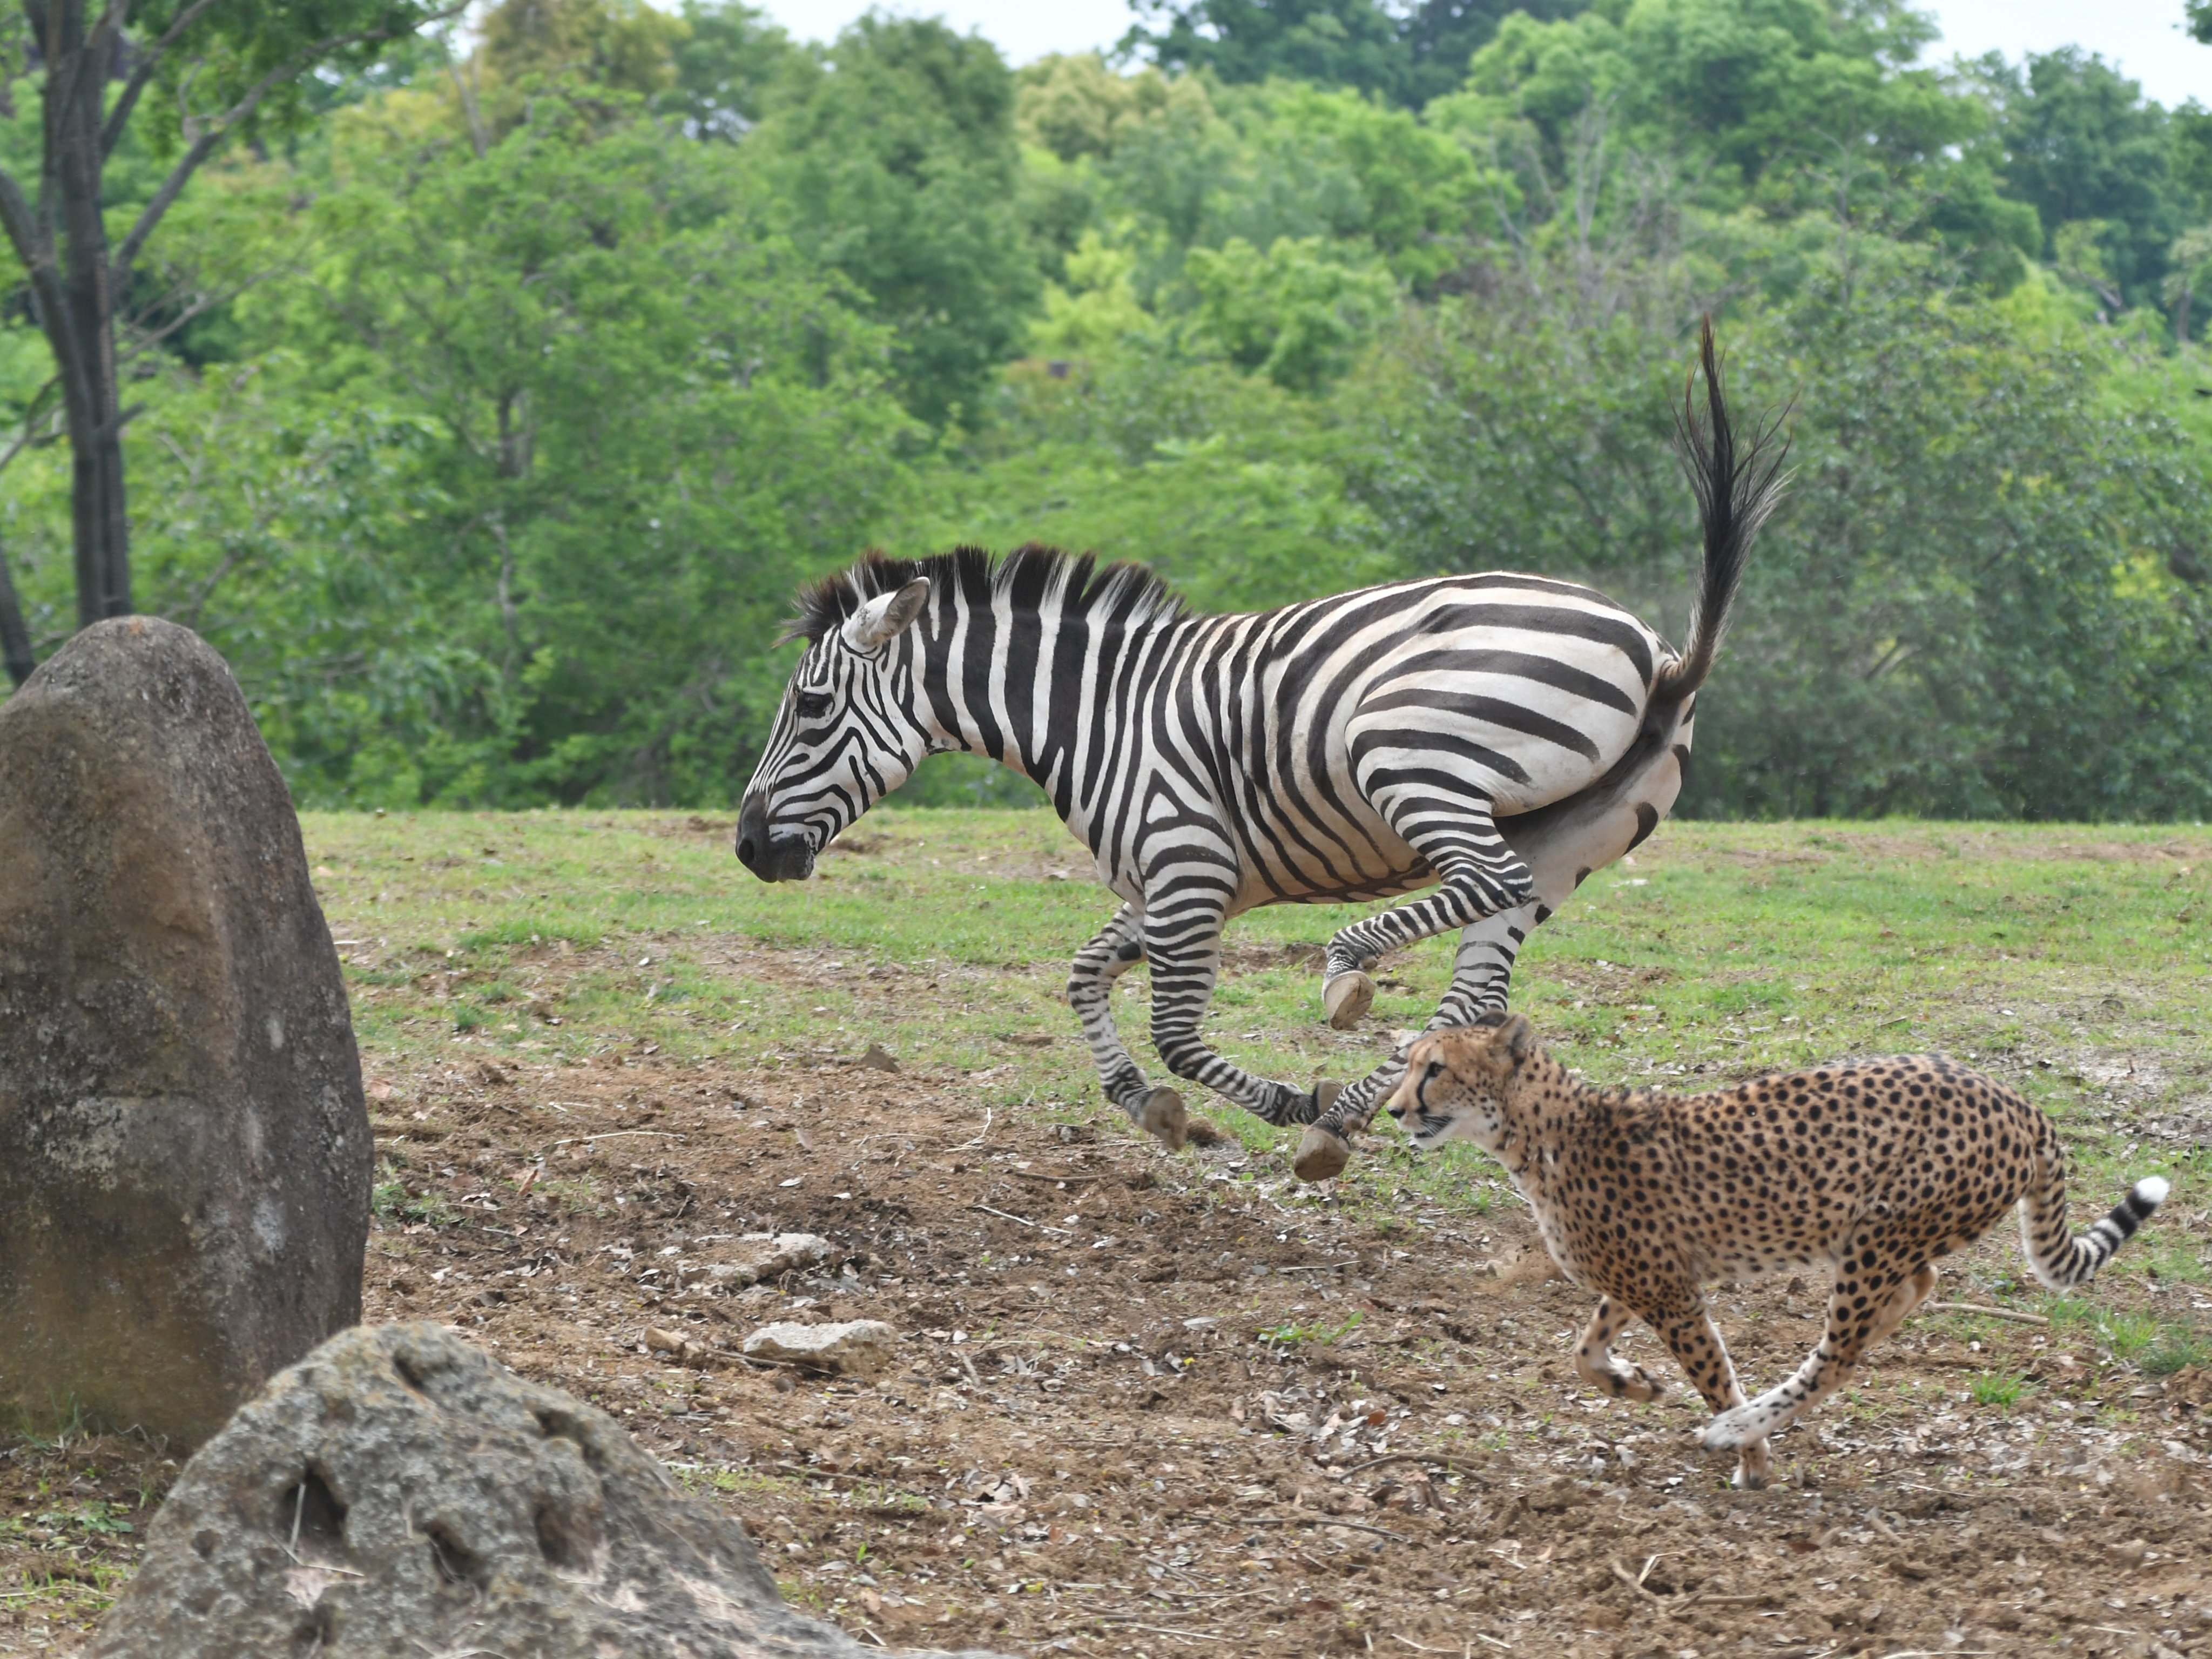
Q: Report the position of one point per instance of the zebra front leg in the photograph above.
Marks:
(1480, 974)
(1119, 946)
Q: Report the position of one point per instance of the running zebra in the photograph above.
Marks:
(1497, 737)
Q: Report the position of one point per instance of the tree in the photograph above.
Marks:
(2082, 143)
(1442, 35)
(1337, 43)
(895, 162)
(220, 70)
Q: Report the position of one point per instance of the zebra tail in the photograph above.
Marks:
(2060, 1260)
(1737, 486)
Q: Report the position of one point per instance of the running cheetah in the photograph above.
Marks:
(1873, 1167)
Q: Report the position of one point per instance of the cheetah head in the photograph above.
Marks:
(1457, 1082)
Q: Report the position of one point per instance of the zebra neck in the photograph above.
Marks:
(1023, 687)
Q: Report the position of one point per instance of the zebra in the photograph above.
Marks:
(1496, 736)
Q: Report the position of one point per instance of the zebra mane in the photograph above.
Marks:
(1029, 575)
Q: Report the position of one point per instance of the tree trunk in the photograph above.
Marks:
(75, 163)
(14, 637)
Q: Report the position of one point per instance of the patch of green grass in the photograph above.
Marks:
(1996, 1388)
(2052, 953)
(390, 1200)
(2178, 1262)
(2127, 1336)
(1291, 1334)
(2177, 1345)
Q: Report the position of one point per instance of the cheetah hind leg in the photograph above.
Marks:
(1595, 1364)
(1852, 1331)
(1910, 1295)
(1695, 1344)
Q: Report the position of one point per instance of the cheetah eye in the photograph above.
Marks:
(812, 705)
(1434, 1070)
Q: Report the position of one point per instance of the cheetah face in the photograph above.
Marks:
(1438, 1101)
(1456, 1081)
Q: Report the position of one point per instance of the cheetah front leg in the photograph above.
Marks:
(1595, 1364)
(1871, 1299)
(1695, 1344)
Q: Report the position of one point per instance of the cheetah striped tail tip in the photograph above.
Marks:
(2148, 1194)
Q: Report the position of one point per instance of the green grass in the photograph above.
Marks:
(2071, 959)
(1289, 1334)
(1996, 1388)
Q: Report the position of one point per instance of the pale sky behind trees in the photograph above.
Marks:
(2144, 36)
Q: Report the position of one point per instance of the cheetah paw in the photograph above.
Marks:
(1729, 1430)
(1641, 1386)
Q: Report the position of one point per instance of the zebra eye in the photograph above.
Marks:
(812, 705)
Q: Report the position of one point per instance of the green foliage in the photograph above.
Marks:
(1334, 43)
(2001, 1388)
(2083, 148)
(1292, 1333)
(1293, 313)
(893, 160)
(488, 424)
(1407, 55)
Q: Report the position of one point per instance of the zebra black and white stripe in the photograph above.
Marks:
(1495, 736)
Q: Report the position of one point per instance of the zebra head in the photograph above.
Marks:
(844, 738)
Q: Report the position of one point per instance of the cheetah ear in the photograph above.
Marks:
(1517, 1038)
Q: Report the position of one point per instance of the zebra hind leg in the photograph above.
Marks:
(1482, 876)
(1480, 974)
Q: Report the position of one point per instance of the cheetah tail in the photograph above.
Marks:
(2062, 1261)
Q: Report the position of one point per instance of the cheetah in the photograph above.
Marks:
(1872, 1167)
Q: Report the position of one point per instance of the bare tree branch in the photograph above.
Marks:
(221, 127)
(118, 119)
(35, 248)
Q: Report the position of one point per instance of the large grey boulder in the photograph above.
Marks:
(184, 1153)
(396, 1494)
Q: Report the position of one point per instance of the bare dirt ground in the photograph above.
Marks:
(1150, 1404)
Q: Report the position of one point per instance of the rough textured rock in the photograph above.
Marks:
(769, 1256)
(861, 1346)
(184, 1153)
(397, 1494)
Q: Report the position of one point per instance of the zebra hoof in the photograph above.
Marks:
(1321, 1155)
(1163, 1116)
(1348, 998)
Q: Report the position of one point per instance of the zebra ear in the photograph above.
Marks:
(887, 615)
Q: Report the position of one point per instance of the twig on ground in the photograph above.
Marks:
(613, 1135)
(1304, 1520)
(1413, 1457)
(1979, 1307)
(1041, 1226)
(1048, 1174)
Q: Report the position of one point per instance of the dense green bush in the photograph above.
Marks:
(489, 428)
